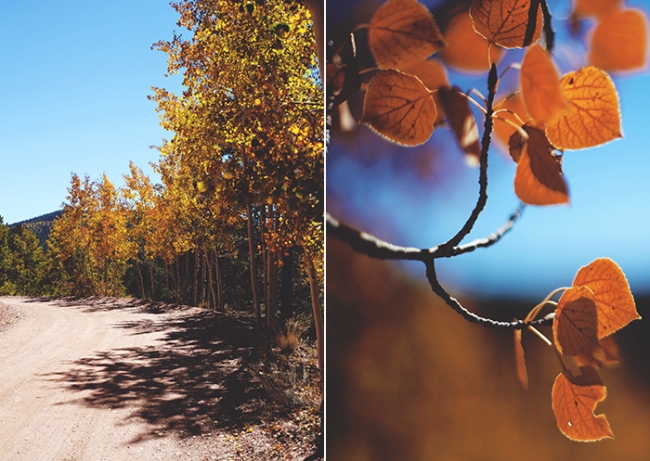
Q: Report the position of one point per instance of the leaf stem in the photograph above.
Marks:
(541, 335)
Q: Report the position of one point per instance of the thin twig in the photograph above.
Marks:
(491, 239)
(374, 247)
(485, 146)
(468, 315)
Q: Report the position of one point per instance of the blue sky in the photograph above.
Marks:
(73, 95)
(422, 196)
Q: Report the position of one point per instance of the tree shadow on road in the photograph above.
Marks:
(191, 382)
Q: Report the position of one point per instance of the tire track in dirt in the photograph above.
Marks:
(43, 420)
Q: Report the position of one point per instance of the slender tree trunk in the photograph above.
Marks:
(316, 309)
(213, 297)
(195, 282)
(180, 285)
(139, 269)
(202, 282)
(182, 280)
(286, 285)
(217, 271)
(253, 267)
(167, 277)
(270, 308)
(265, 262)
(152, 279)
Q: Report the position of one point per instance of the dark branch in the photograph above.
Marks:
(548, 27)
(471, 316)
(370, 245)
(483, 165)
(532, 22)
(374, 247)
(491, 239)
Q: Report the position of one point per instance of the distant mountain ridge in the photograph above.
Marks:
(47, 217)
(40, 225)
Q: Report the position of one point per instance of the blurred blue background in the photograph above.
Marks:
(421, 196)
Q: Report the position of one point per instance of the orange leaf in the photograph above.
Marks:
(605, 354)
(619, 42)
(403, 32)
(575, 325)
(593, 118)
(466, 50)
(434, 75)
(614, 300)
(540, 86)
(399, 107)
(598, 8)
(538, 179)
(462, 122)
(574, 402)
(506, 108)
(504, 22)
(520, 360)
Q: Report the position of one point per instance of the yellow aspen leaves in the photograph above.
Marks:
(540, 86)
(399, 107)
(466, 50)
(402, 33)
(614, 300)
(593, 117)
(574, 401)
(538, 178)
(504, 22)
(575, 326)
(620, 42)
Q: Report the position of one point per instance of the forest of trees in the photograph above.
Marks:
(236, 218)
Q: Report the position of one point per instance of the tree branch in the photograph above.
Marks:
(548, 27)
(370, 245)
(491, 239)
(471, 316)
(532, 22)
(485, 146)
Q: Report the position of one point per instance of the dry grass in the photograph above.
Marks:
(288, 342)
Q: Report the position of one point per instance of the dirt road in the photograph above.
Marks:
(108, 380)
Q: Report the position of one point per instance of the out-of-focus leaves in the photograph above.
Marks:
(620, 42)
(520, 360)
(540, 86)
(466, 50)
(513, 104)
(598, 8)
(403, 32)
(462, 122)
